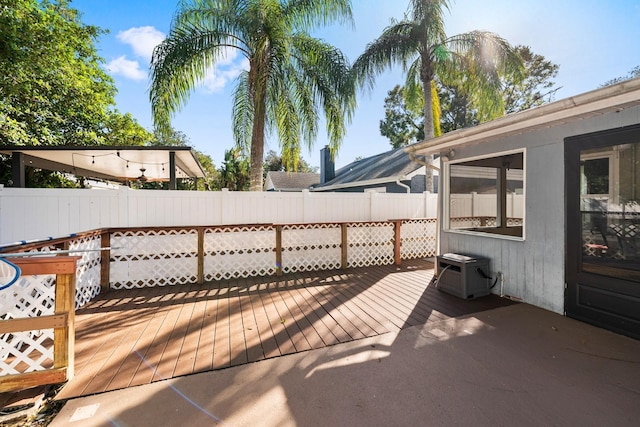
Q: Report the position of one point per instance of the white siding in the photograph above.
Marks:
(533, 267)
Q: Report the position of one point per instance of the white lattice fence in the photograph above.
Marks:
(153, 258)
(88, 271)
(511, 222)
(370, 243)
(22, 352)
(31, 296)
(310, 247)
(465, 222)
(240, 251)
(418, 238)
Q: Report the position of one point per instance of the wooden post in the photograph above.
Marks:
(105, 261)
(344, 245)
(279, 250)
(200, 255)
(64, 337)
(397, 241)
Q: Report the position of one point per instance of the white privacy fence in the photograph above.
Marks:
(484, 205)
(29, 213)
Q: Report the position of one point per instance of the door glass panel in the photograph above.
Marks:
(610, 211)
(595, 173)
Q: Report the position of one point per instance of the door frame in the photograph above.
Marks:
(603, 300)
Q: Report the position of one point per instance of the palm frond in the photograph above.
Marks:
(242, 112)
(304, 15)
(396, 45)
(326, 71)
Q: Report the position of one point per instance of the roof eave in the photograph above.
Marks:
(353, 184)
(607, 99)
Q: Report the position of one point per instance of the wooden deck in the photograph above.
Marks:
(127, 338)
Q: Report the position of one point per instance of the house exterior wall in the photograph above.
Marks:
(534, 266)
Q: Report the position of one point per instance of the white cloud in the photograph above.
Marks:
(127, 68)
(142, 40)
(225, 71)
(227, 56)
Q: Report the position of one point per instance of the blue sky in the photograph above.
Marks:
(591, 40)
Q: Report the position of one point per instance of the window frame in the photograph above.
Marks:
(499, 231)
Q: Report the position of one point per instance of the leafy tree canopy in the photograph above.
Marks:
(531, 87)
(273, 162)
(402, 124)
(52, 88)
(234, 172)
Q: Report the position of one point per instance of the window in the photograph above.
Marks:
(610, 210)
(487, 195)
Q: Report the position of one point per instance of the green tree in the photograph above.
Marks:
(53, 89)
(172, 137)
(234, 172)
(457, 110)
(421, 45)
(291, 75)
(273, 162)
(211, 180)
(402, 124)
(123, 129)
(532, 87)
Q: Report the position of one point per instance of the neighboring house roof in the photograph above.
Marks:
(600, 101)
(379, 169)
(290, 181)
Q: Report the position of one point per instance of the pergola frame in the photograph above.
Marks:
(112, 163)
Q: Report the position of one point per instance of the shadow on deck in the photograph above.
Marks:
(132, 337)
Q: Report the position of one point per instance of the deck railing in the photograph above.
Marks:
(161, 256)
(37, 327)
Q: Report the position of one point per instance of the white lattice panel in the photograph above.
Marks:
(239, 252)
(491, 222)
(514, 222)
(30, 296)
(464, 222)
(418, 238)
(370, 244)
(153, 258)
(311, 247)
(88, 268)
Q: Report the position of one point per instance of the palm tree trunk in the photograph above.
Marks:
(428, 130)
(257, 146)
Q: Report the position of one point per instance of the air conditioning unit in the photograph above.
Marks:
(464, 276)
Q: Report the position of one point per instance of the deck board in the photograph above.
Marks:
(132, 337)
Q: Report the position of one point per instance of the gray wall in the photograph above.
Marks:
(534, 267)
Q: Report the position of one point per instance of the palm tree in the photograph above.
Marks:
(291, 75)
(419, 42)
